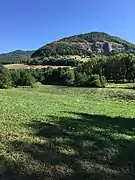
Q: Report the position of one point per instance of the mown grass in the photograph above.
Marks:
(61, 133)
(121, 85)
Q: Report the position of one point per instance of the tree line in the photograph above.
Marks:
(61, 76)
(94, 73)
(53, 61)
(117, 68)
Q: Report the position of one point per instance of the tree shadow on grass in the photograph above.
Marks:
(83, 146)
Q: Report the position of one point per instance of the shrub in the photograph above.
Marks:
(15, 76)
(94, 81)
(5, 78)
(69, 77)
(35, 85)
(26, 78)
(103, 81)
(22, 78)
(81, 79)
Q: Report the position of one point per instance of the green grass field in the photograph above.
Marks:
(60, 133)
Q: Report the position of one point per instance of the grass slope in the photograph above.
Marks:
(67, 133)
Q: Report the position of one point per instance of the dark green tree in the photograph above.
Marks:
(5, 77)
(26, 78)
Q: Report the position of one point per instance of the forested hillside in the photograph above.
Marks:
(68, 51)
(17, 56)
(88, 44)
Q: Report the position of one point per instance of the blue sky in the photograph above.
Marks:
(29, 24)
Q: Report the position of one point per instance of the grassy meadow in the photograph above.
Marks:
(63, 133)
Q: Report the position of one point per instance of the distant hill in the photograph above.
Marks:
(15, 56)
(88, 44)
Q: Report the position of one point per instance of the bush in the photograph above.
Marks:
(5, 78)
(81, 79)
(35, 85)
(94, 81)
(103, 81)
(69, 77)
(22, 78)
(15, 76)
(26, 78)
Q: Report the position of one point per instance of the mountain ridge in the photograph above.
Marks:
(15, 56)
(85, 44)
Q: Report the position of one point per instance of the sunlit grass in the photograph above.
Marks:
(58, 132)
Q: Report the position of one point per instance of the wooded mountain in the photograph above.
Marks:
(82, 45)
(15, 56)
(85, 45)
